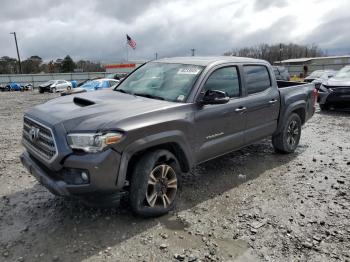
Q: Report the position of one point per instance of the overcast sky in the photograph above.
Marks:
(95, 29)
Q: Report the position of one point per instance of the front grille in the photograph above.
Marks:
(38, 138)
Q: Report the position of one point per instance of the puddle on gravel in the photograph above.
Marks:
(173, 223)
(229, 249)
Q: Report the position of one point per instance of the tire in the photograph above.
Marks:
(69, 87)
(288, 140)
(147, 193)
(53, 90)
(41, 90)
(323, 107)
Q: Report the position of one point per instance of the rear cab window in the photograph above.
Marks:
(257, 78)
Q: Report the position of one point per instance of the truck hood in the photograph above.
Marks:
(343, 82)
(94, 111)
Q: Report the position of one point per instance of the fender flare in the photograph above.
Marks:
(292, 107)
(154, 140)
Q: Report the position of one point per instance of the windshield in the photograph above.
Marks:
(343, 73)
(317, 74)
(171, 82)
(50, 82)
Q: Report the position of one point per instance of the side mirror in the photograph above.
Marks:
(215, 97)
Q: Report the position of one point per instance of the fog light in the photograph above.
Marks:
(75, 176)
(84, 176)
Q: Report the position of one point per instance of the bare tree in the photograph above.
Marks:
(273, 53)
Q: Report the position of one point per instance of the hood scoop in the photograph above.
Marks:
(82, 102)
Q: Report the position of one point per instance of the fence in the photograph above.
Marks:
(37, 79)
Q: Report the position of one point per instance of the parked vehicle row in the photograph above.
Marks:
(13, 86)
(333, 86)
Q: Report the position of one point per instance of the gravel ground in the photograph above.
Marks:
(251, 205)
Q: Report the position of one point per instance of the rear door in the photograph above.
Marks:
(219, 128)
(61, 85)
(263, 102)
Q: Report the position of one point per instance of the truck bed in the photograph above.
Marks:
(296, 93)
(283, 84)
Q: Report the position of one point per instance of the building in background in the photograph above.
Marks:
(126, 67)
(296, 66)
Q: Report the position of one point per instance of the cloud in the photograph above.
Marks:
(95, 30)
(264, 4)
(332, 33)
(124, 11)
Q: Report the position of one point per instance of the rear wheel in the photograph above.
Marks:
(288, 140)
(155, 184)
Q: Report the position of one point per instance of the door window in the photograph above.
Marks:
(257, 78)
(224, 79)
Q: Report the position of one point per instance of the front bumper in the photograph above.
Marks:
(102, 169)
(334, 96)
(45, 88)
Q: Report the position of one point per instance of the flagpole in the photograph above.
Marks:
(127, 51)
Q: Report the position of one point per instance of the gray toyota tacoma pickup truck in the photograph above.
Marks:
(157, 124)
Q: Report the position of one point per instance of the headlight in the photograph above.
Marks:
(93, 143)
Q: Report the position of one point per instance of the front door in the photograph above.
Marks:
(220, 128)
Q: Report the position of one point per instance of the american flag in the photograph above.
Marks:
(131, 42)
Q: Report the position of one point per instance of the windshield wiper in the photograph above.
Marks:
(122, 91)
(148, 96)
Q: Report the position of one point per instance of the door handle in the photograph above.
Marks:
(240, 109)
(273, 101)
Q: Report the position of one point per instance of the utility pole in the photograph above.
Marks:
(280, 54)
(156, 55)
(19, 59)
(192, 51)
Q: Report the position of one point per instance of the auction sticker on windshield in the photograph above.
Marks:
(189, 71)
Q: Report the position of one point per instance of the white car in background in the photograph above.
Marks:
(54, 86)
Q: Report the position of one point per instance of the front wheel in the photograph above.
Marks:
(53, 90)
(323, 107)
(154, 184)
(288, 140)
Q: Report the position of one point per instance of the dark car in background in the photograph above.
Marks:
(335, 92)
(281, 73)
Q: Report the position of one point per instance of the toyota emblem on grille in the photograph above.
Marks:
(34, 134)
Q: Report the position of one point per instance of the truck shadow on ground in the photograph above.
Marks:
(339, 112)
(39, 226)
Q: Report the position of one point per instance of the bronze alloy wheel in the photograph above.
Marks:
(293, 133)
(162, 186)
